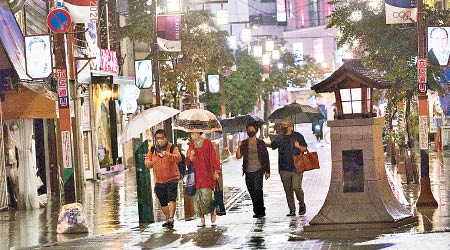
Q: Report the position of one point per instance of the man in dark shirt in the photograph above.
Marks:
(290, 143)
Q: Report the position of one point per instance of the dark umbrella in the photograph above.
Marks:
(298, 113)
(239, 123)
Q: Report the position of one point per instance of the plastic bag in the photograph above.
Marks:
(71, 219)
(189, 181)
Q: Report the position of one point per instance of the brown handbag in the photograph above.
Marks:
(306, 162)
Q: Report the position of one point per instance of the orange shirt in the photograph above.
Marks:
(166, 168)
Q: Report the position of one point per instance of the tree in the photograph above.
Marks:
(204, 47)
(390, 49)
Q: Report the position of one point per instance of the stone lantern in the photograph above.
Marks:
(359, 196)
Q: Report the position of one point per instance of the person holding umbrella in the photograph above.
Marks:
(290, 143)
(256, 164)
(206, 164)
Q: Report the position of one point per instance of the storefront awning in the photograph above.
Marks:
(31, 101)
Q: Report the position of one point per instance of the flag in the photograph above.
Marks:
(401, 11)
(169, 33)
(82, 11)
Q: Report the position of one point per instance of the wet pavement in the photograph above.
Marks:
(115, 226)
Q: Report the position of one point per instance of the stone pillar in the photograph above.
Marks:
(359, 196)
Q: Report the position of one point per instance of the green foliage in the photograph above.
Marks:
(204, 48)
(139, 25)
(242, 87)
(390, 49)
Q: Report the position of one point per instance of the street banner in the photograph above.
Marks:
(401, 11)
(143, 71)
(108, 61)
(169, 33)
(82, 11)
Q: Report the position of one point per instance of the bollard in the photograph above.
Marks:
(143, 183)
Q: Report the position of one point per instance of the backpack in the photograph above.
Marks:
(181, 164)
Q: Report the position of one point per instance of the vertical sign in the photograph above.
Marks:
(63, 94)
(423, 132)
(66, 150)
(281, 12)
(422, 73)
(169, 33)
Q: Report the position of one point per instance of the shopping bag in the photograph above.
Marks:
(218, 200)
(189, 181)
(306, 162)
(71, 219)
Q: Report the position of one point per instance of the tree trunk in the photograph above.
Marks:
(408, 123)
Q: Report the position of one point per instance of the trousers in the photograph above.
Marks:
(292, 183)
(254, 182)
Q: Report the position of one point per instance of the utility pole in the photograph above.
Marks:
(426, 197)
(155, 67)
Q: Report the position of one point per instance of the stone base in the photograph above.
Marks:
(360, 226)
(426, 198)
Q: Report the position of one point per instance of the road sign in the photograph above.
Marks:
(58, 20)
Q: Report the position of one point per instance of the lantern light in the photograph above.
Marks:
(222, 17)
(276, 55)
(246, 35)
(257, 51)
(270, 45)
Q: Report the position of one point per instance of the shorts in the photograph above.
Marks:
(166, 192)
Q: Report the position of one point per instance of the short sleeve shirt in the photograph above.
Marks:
(287, 150)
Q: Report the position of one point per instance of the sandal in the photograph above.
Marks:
(213, 217)
(201, 225)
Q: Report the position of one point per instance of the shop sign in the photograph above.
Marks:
(143, 71)
(66, 150)
(38, 56)
(63, 93)
(422, 73)
(108, 61)
(423, 132)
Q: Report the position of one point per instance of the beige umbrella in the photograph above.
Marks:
(197, 120)
(145, 120)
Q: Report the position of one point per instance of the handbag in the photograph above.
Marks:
(218, 200)
(306, 162)
(189, 181)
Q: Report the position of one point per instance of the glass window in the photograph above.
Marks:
(356, 94)
(347, 107)
(356, 106)
(345, 95)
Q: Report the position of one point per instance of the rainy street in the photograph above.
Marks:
(113, 220)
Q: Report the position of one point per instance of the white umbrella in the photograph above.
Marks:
(145, 120)
(197, 120)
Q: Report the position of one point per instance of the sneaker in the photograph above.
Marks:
(302, 210)
(170, 224)
(291, 213)
(166, 224)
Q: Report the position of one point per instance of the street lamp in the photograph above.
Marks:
(246, 35)
(270, 45)
(257, 51)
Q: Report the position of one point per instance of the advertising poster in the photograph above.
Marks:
(108, 61)
(438, 47)
(401, 11)
(38, 56)
(143, 71)
(169, 33)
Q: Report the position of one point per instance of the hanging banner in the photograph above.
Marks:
(82, 11)
(143, 71)
(108, 61)
(438, 46)
(401, 11)
(169, 33)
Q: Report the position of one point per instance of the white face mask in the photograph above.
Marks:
(195, 136)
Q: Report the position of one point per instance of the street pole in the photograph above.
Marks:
(64, 118)
(225, 152)
(155, 67)
(426, 197)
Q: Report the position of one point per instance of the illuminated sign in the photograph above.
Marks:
(281, 11)
(38, 56)
(108, 61)
(143, 74)
(213, 83)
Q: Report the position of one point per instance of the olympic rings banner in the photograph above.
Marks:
(401, 11)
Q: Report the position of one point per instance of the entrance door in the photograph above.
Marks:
(89, 169)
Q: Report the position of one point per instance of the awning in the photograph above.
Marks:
(31, 101)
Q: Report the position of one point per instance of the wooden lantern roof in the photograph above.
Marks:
(352, 74)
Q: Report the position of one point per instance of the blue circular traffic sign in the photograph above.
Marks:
(58, 20)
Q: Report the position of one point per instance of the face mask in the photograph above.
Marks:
(162, 142)
(195, 136)
(251, 133)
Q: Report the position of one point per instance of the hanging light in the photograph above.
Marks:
(276, 54)
(222, 17)
(173, 6)
(270, 45)
(257, 51)
(246, 35)
(266, 60)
